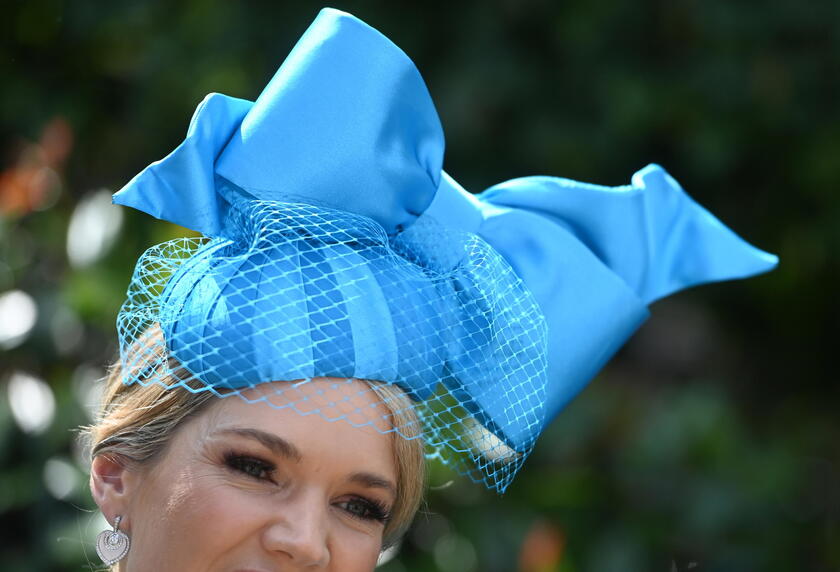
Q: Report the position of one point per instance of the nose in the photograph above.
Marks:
(300, 533)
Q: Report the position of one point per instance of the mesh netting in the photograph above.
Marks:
(297, 292)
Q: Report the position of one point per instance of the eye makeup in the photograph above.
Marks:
(366, 509)
(243, 462)
(250, 466)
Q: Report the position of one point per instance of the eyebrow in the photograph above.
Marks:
(373, 481)
(276, 444)
(284, 448)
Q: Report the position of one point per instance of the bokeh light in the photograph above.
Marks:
(87, 387)
(31, 401)
(455, 553)
(67, 330)
(61, 477)
(94, 226)
(18, 314)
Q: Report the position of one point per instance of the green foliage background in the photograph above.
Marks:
(710, 443)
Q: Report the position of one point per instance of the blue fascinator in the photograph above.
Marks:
(334, 245)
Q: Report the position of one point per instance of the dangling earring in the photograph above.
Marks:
(112, 545)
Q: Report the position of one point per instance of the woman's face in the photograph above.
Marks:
(246, 487)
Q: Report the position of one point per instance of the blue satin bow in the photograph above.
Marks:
(347, 123)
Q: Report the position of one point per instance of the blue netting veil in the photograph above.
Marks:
(302, 291)
(335, 246)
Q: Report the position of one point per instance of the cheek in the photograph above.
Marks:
(191, 522)
(196, 523)
(354, 553)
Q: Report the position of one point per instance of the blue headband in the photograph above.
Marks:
(326, 198)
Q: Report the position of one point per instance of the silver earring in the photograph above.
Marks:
(112, 545)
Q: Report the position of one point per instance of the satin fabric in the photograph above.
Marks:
(347, 123)
(594, 257)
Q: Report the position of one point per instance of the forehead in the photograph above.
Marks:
(331, 398)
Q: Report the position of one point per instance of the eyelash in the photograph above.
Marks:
(373, 509)
(252, 467)
(258, 469)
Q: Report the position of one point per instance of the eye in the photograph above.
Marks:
(366, 509)
(250, 466)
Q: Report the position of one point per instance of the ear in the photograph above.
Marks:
(111, 484)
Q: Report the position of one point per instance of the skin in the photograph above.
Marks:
(245, 487)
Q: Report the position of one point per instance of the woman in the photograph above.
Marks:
(205, 483)
(351, 309)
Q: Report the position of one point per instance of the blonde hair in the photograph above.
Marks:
(136, 422)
